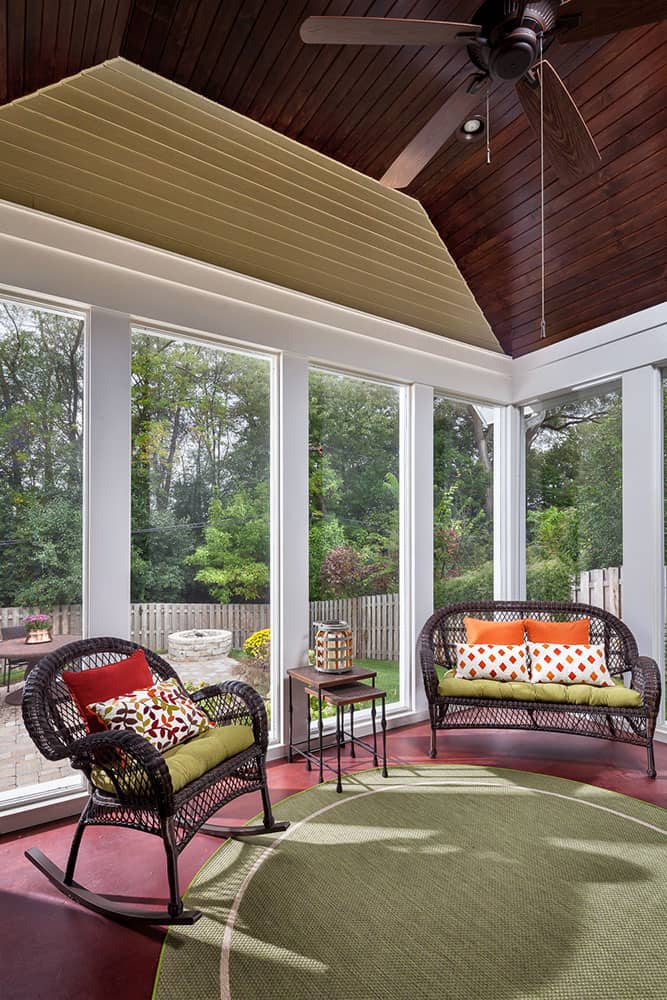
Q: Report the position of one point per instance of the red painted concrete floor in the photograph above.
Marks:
(51, 949)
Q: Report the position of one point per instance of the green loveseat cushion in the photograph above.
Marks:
(190, 760)
(617, 696)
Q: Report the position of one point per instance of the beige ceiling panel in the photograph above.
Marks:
(211, 204)
(157, 144)
(123, 150)
(271, 259)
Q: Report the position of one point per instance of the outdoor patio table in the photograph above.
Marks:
(31, 654)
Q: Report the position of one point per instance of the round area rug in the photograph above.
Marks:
(437, 882)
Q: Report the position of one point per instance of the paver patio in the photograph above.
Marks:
(20, 762)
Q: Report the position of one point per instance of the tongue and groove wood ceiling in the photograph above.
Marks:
(606, 244)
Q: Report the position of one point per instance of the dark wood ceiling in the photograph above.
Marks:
(606, 244)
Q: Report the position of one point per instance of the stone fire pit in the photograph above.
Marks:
(199, 643)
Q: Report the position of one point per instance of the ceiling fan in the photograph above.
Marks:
(505, 43)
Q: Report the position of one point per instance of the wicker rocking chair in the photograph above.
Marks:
(143, 797)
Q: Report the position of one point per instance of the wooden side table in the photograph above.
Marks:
(343, 687)
(353, 694)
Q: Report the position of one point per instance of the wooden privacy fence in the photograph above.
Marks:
(66, 618)
(374, 619)
(601, 588)
(150, 624)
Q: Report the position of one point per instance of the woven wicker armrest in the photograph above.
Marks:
(234, 701)
(137, 770)
(646, 680)
(427, 662)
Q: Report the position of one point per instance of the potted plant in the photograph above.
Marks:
(37, 628)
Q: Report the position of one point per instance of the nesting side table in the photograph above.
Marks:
(339, 690)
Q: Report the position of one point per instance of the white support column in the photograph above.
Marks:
(416, 535)
(290, 537)
(108, 443)
(643, 486)
(509, 505)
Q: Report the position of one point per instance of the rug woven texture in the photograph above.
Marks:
(472, 883)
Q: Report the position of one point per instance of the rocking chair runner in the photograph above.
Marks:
(143, 795)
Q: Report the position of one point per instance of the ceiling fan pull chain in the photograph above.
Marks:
(543, 322)
(488, 127)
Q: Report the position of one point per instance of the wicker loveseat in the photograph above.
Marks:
(626, 714)
(131, 784)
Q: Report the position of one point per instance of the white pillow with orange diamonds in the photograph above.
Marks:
(565, 663)
(491, 662)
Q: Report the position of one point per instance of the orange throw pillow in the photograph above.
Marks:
(479, 630)
(576, 631)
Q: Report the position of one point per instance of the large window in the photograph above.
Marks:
(354, 447)
(201, 509)
(463, 502)
(574, 500)
(41, 497)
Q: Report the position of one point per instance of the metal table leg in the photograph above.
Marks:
(308, 764)
(385, 773)
(290, 756)
(339, 740)
(321, 734)
(375, 735)
(352, 753)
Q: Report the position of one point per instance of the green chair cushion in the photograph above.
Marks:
(190, 760)
(617, 696)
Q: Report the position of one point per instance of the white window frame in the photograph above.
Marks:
(406, 587)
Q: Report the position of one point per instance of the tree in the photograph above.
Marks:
(574, 483)
(41, 437)
(463, 500)
(233, 562)
(354, 466)
(200, 432)
(43, 562)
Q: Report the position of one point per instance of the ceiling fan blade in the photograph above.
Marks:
(604, 17)
(568, 144)
(385, 31)
(432, 136)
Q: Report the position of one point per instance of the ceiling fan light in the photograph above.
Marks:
(472, 128)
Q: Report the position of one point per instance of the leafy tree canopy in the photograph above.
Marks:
(200, 477)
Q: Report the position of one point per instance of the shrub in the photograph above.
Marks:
(258, 645)
(475, 585)
(341, 570)
(548, 580)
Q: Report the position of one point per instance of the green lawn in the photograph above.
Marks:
(387, 676)
(387, 679)
(16, 675)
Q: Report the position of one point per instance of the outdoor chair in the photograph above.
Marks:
(130, 784)
(8, 664)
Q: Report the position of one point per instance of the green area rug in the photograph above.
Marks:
(438, 882)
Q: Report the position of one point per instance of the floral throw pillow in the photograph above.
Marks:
(162, 714)
(491, 662)
(568, 663)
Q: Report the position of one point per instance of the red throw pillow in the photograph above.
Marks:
(577, 631)
(479, 630)
(101, 683)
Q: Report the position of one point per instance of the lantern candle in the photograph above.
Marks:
(333, 646)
